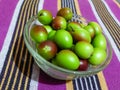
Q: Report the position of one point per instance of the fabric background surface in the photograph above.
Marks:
(18, 70)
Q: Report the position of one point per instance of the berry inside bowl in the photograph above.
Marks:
(63, 72)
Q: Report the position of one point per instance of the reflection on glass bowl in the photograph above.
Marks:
(56, 71)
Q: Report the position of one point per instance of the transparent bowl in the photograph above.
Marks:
(56, 71)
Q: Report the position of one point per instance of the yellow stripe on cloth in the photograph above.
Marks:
(102, 81)
(28, 74)
(15, 59)
(23, 45)
(58, 4)
(116, 3)
(78, 9)
(26, 53)
(69, 85)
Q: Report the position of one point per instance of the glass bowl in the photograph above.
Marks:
(56, 71)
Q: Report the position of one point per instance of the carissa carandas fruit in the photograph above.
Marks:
(47, 49)
(63, 39)
(45, 17)
(66, 13)
(67, 59)
(38, 33)
(59, 23)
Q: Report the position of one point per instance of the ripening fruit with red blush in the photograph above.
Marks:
(83, 65)
(47, 49)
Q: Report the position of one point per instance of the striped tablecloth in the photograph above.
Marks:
(18, 71)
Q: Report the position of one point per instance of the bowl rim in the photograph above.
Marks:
(45, 62)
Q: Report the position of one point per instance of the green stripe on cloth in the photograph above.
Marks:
(18, 62)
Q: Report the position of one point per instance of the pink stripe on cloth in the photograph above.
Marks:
(51, 6)
(6, 11)
(45, 81)
(114, 8)
(112, 72)
(86, 10)
(48, 83)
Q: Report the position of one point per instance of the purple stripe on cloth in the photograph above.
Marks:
(114, 8)
(86, 10)
(51, 5)
(6, 11)
(112, 72)
(45, 81)
(48, 83)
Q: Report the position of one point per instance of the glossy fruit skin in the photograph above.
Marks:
(67, 59)
(59, 23)
(66, 13)
(38, 33)
(81, 35)
(48, 28)
(51, 35)
(96, 27)
(45, 17)
(73, 26)
(98, 57)
(47, 49)
(63, 39)
(82, 25)
(99, 41)
(83, 49)
(90, 30)
(83, 65)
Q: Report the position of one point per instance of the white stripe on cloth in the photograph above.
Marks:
(84, 83)
(9, 35)
(105, 30)
(36, 70)
(95, 83)
(35, 77)
(81, 82)
(40, 6)
(90, 83)
(76, 84)
(111, 13)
